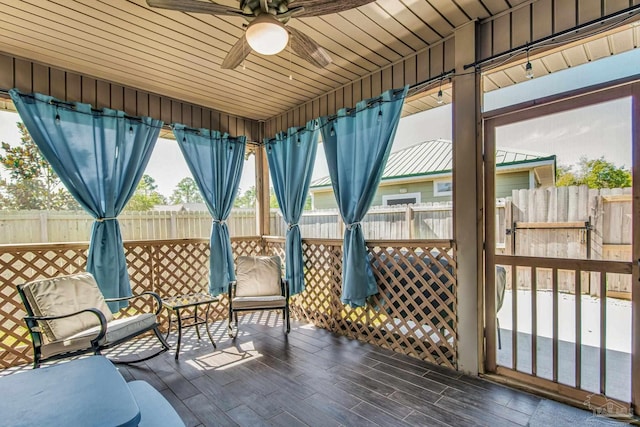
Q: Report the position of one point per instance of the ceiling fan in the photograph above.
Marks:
(266, 33)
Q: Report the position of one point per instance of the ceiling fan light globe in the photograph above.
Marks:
(267, 36)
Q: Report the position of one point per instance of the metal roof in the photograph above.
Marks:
(434, 157)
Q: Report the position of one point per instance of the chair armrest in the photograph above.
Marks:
(284, 284)
(232, 288)
(153, 294)
(95, 311)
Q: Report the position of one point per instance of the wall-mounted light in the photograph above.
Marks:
(266, 35)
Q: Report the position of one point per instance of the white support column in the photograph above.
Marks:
(467, 199)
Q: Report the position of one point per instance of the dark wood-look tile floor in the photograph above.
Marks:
(315, 378)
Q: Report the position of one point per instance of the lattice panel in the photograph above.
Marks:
(275, 247)
(169, 267)
(320, 302)
(414, 312)
(140, 265)
(181, 267)
(246, 246)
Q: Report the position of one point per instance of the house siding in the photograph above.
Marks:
(324, 200)
(505, 183)
(425, 188)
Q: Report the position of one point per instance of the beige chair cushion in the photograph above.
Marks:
(120, 328)
(65, 346)
(64, 295)
(245, 303)
(258, 276)
(116, 330)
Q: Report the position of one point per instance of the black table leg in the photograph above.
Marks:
(206, 325)
(169, 329)
(179, 332)
(195, 320)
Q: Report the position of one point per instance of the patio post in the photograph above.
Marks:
(635, 226)
(263, 212)
(467, 200)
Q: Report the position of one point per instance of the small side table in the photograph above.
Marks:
(178, 302)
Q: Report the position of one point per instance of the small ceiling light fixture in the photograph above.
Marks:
(528, 69)
(440, 99)
(266, 35)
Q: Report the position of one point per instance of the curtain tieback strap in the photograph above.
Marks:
(293, 225)
(105, 219)
(220, 221)
(353, 225)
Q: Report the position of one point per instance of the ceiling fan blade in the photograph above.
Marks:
(237, 54)
(324, 7)
(195, 6)
(307, 49)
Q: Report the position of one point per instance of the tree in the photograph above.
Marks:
(248, 199)
(146, 195)
(565, 177)
(602, 174)
(595, 173)
(31, 182)
(186, 192)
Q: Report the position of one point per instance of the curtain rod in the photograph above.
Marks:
(628, 11)
(413, 90)
(71, 105)
(418, 87)
(197, 130)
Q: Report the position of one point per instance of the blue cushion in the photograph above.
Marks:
(155, 410)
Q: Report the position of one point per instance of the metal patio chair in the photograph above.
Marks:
(68, 316)
(259, 286)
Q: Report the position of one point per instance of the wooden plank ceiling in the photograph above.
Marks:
(179, 54)
(613, 42)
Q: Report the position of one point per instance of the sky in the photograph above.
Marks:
(602, 130)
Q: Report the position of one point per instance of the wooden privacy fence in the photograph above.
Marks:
(426, 221)
(414, 312)
(545, 222)
(18, 227)
(570, 222)
(429, 221)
